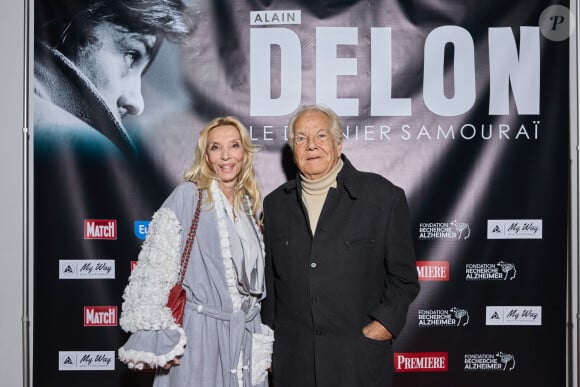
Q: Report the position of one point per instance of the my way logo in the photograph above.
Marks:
(433, 270)
(514, 229)
(100, 316)
(500, 271)
(453, 317)
(421, 361)
(86, 360)
(499, 361)
(444, 230)
(100, 229)
(86, 269)
(513, 315)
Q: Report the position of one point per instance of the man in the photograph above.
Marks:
(340, 265)
(90, 56)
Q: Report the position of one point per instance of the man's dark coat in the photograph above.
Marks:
(323, 289)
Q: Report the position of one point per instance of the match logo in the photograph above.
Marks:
(100, 229)
(100, 316)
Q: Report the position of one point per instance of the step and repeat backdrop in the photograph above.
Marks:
(464, 104)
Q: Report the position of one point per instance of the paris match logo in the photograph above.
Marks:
(421, 362)
(100, 316)
(100, 229)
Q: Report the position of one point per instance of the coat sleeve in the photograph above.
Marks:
(401, 284)
(155, 337)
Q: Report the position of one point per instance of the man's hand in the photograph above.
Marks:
(377, 331)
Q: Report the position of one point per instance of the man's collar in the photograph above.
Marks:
(345, 179)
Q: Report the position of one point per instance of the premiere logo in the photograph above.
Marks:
(497, 362)
(100, 316)
(453, 317)
(421, 362)
(86, 360)
(100, 229)
(86, 269)
(514, 229)
(500, 271)
(444, 231)
(513, 315)
(433, 270)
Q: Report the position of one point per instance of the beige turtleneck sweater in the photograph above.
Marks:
(314, 193)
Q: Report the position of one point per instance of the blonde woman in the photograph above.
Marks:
(221, 341)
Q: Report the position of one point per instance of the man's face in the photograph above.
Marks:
(114, 61)
(315, 150)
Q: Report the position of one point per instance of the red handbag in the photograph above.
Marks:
(176, 299)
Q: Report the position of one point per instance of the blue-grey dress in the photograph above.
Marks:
(222, 341)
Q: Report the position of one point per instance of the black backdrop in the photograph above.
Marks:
(462, 103)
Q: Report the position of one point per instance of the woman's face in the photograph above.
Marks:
(225, 154)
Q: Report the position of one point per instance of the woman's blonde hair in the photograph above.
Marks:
(202, 173)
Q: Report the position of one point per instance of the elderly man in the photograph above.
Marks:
(90, 56)
(340, 265)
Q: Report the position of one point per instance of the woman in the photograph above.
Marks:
(222, 341)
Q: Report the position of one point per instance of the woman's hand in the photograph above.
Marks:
(171, 363)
